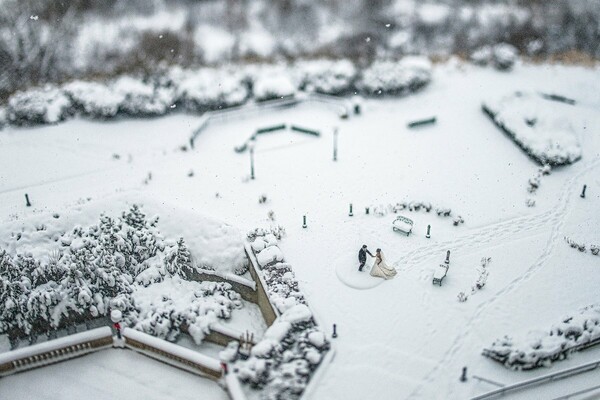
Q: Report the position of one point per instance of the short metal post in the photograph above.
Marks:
(304, 221)
(428, 232)
(447, 257)
(463, 377)
(28, 203)
(367, 210)
(334, 334)
(350, 214)
(583, 192)
(252, 162)
(335, 141)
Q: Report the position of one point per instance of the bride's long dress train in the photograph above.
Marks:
(382, 270)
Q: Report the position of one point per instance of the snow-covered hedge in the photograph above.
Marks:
(282, 363)
(540, 127)
(140, 98)
(502, 56)
(38, 106)
(395, 77)
(208, 88)
(326, 76)
(94, 99)
(119, 263)
(543, 348)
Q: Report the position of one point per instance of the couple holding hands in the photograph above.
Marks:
(380, 268)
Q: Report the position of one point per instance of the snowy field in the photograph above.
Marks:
(403, 338)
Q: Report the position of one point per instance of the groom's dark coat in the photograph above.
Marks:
(362, 254)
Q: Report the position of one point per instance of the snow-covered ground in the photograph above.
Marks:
(400, 338)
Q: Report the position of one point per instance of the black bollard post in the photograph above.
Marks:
(304, 221)
(334, 335)
(367, 210)
(583, 192)
(447, 257)
(28, 203)
(463, 377)
(252, 162)
(335, 140)
(350, 214)
(428, 232)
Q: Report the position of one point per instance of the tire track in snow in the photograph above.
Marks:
(558, 220)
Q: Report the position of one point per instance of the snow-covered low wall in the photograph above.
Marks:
(267, 309)
(55, 351)
(172, 354)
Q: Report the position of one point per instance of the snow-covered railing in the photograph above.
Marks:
(172, 354)
(268, 310)
(54, 351)
(342, 104)
(566, 373)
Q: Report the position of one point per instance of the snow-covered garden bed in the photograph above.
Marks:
(539, 126)
(119, 263)
(541, 349)
(282, 363)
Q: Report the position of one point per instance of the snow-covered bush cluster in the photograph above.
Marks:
(414, 206)
(502, 56)
(574, 333)
(482, 276)
(174, 305)
(102, 267)
(281, 364)
(206, 89)
(594, 248)
(38, 106)
(542, 128)
(326, 76)
(395, 77)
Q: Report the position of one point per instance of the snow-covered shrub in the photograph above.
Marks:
(208, 89)
(575, 245)
(281, 364)
(504, 56)
(141, 98)
(481, 56)
(595, 249)
(483, 274)
(462, 297)
(38, 106)
(271, 82)
(543, 348)
(395, 77)
(94, 99)
(540, 127)
(326, 76)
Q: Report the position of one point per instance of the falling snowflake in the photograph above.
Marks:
(387, 25)
(34, 17)
(368, 39)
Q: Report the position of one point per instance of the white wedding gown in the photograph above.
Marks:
(380, 269)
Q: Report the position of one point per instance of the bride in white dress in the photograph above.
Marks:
(380, 268)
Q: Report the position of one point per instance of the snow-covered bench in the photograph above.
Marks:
(403, 225)
(440, 273)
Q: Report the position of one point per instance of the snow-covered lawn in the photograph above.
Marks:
(398, 338)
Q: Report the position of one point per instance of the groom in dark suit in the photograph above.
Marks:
(362, 256)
